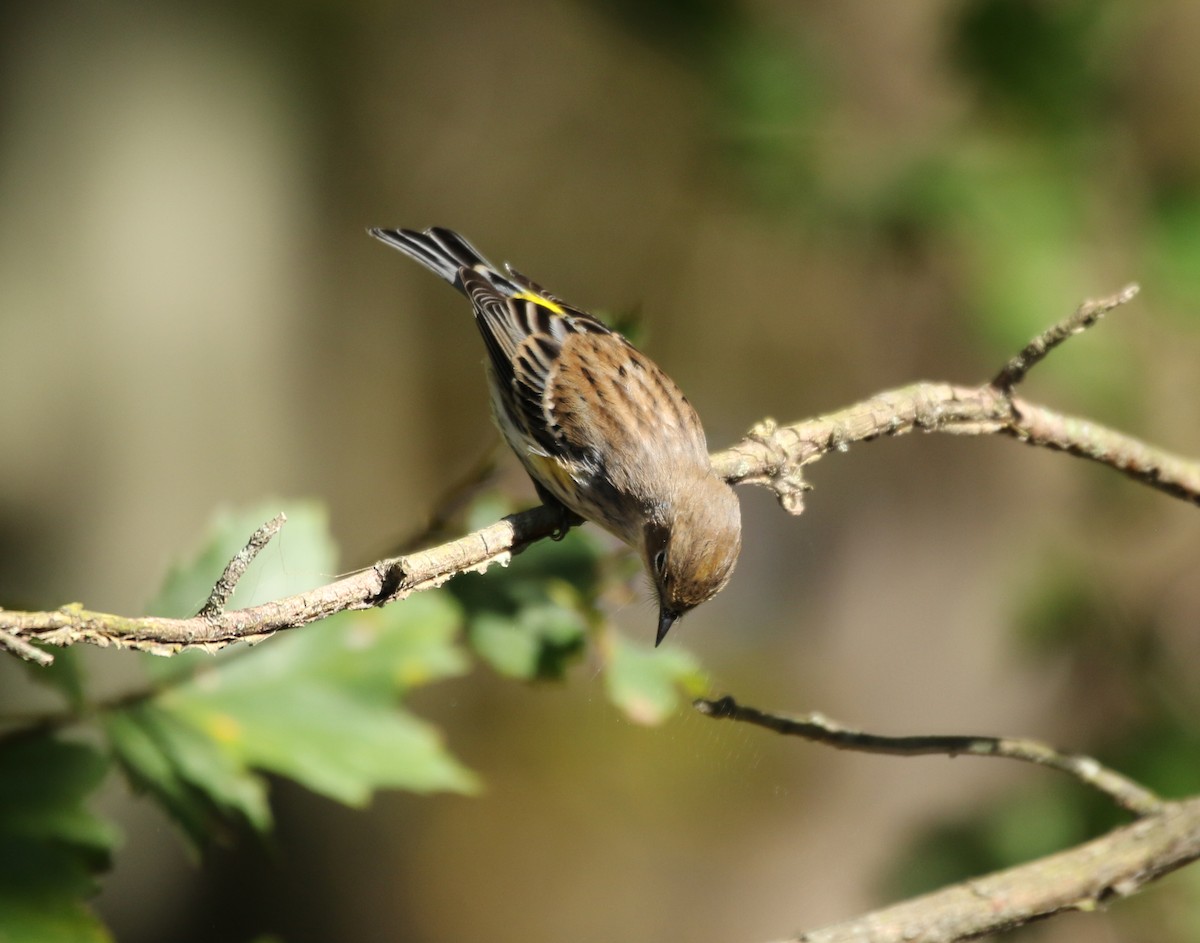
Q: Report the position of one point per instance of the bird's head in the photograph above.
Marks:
(690, 546)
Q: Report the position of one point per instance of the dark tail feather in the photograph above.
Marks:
(444, 252)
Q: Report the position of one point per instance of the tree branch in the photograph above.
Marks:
(22, 649)
(384, 582)
(818, 728)
(1165, 837)
(773, 455)
(1082, 878)
(236, 567)
(1087, 314)
(770, 455)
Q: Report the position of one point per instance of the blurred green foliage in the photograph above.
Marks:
(51, 847)
(530, 620)
(1039, 62)
(1173, 246)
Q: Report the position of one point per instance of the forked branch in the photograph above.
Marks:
(1165, 837)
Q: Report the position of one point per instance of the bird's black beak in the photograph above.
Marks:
(666, 619)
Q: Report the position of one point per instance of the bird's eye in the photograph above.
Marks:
(660, 561)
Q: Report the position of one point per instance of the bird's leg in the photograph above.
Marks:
(566, 517)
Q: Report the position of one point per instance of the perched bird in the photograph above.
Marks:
(601, 430)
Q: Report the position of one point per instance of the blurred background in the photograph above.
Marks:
(804, 204)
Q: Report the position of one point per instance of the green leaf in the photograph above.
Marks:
(378, 653)
(316, 706)
(538, 641)
(324, 737)
(201, 786)
(529, 620)
(302, 555)
(46, 917)
(647, 684)
(319, 705)
(51, 846)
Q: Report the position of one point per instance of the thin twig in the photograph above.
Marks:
(22, 649)
(820, 729)
(1087, 314)
(774, 456)
(236, 567)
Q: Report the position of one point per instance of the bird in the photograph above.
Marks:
(602, 431)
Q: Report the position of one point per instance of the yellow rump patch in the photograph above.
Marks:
(539, 300)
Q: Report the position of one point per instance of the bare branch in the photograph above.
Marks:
(820, 729)
(1083, 878)
(774, 456)
(237, 566)
(1035, 351)
(22, 649)
(387, 581)
(1162, 470)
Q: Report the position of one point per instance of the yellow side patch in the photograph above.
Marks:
(539, 300)
(552, 473)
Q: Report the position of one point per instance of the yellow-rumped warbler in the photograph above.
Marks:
(602, 431)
